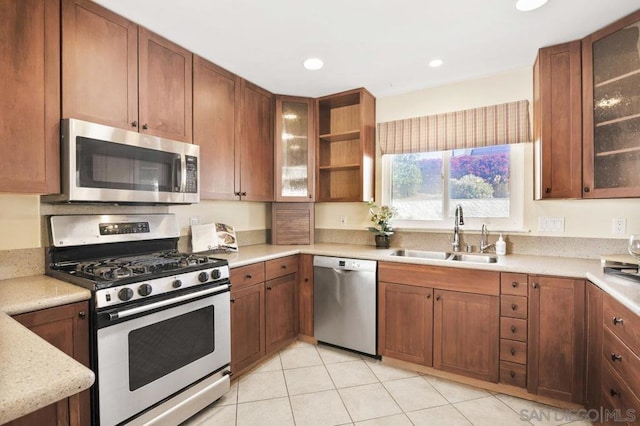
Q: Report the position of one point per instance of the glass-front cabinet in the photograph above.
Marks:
(611, 110)
(294, 149)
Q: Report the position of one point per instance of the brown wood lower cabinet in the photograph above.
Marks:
(556, 338)
(594, 346)
(282, 311)
(67, 328)
(247, 326)
(465, 336)
(405, 322)
(305, 295)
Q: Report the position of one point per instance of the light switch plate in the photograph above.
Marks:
(550, 224)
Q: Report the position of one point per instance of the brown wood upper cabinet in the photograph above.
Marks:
(119, 74)
(30, 100)
(67, 328)
(611, 110)
(295, 131)
(558, 122)
(556, 349)
(345, 147)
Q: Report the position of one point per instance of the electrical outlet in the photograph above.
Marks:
(620, 225)
(195, 220)
(551, 224)
(343, 221)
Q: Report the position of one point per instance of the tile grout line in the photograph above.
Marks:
(324, 364)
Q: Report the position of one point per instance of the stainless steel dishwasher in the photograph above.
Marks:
(344, 306)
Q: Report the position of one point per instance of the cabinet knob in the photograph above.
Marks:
(232, 300)
(617, 321)
(82, 314)
(306, 280)
(513, 328)
(310, 196)
(248, 276)
(512, 374)
(514, 306)
(145, 126)
(535, 285)
(283, 266)
(615, 357)
(237, 193)
(513, 351)
(587, 189)
(514, 284)
(269, 288)
(244, 194)
(437, 297)
(547, 190)
(428, 296)
(134, 124)
(614, 392)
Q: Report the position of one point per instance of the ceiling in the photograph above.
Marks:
(382, 45)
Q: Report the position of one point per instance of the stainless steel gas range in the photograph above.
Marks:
(160, 319)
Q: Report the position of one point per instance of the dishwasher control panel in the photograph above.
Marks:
(347, 264)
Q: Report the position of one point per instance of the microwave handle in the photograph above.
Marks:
(178, 185)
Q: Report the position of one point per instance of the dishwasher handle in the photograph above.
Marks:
(343, 264)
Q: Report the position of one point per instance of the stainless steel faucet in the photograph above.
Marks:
(459, 220)
(484, 243)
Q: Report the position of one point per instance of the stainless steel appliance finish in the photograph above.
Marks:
(344, 304)
(160, 319)
(111, 165)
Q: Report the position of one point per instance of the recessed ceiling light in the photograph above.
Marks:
(527, 5)
(435, 63)
(313, 64)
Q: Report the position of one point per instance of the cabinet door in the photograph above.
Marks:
(305, 294)
(247, 326)
(405, 322)
(215, 97)
(255, 144)
(556, 338)
(100, 65)
(30, 100)
(66, 328)
(294, 167)
(281, 311)
(165, 92)
(611, 110)
(558, 122)
(466, 334)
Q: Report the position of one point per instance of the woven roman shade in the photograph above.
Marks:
(471, 128)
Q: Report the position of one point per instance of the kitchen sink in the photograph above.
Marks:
(422, 254)
(477, 258)
(444, 255)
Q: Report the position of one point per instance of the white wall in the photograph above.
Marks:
(19, 221)
(583, 218)
(242, 215)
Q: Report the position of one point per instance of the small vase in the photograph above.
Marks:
(382, 241)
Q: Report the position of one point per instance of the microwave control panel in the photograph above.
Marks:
(192, 174)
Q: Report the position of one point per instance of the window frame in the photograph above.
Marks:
(517, 182)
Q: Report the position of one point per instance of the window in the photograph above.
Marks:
(426, 187)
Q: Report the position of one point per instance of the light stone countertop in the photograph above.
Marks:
(33, 373)
(625, 291)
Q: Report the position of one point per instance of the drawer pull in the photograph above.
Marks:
(615, 357)
(512, 374)
(513, 351)
(437, 297)
(513, 328)
(614, 393)
(232, 300)
(248, 276)
(514, 306)
(284, 266)
(269, 288)
(534, 285)
(428, 296)
(617, 321)
(82, 314)
(514, 284)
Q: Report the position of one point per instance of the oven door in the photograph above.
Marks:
(154, 351)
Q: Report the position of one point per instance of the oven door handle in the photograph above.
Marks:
(151, 306)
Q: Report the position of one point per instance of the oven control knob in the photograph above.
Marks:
(203, 277)
(177, 284)
(145, 290)
(215, 274)
(125, 294)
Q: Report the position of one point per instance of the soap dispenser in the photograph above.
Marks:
(501, 246)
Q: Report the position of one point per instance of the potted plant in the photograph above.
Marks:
(381, 216)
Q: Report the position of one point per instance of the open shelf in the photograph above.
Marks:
(341, 136)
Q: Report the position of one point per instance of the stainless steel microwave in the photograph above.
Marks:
(106, 164)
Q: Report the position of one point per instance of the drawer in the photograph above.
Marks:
(513, 374)
(622, 322)
(621, 359)
(279, 267)
(616, 393)
(514, 284)
(247, 275)
(513, 306)
(513, 329)
(513, 351)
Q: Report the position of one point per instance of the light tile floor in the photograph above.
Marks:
(321, 385)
